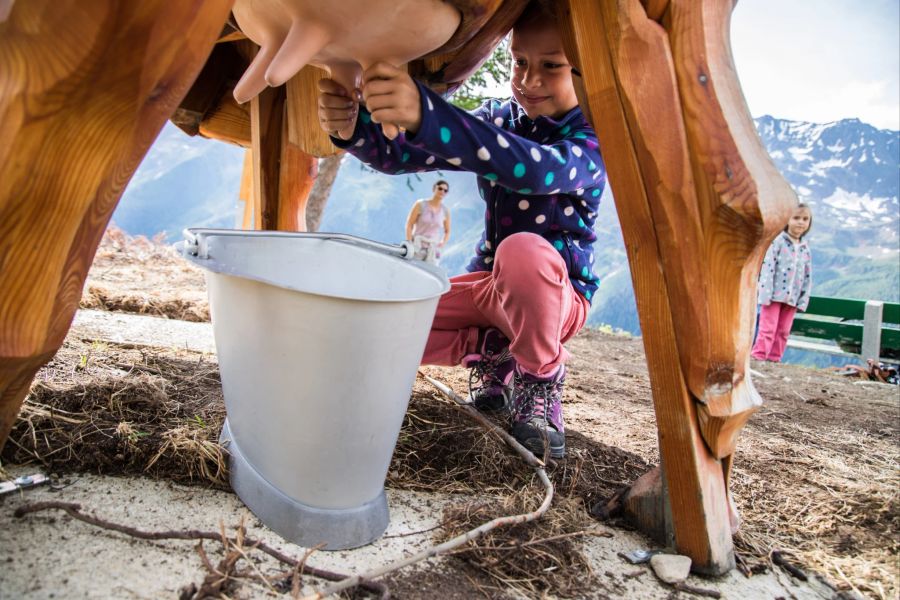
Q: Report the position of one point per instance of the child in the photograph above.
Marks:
(784, 285)
(428, 224)
(530, 283)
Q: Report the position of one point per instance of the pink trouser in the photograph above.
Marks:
(775, 320)
(528, 296)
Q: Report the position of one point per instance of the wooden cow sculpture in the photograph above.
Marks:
(86, 85)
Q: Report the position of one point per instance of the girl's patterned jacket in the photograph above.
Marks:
(786, 274)
(542, 176)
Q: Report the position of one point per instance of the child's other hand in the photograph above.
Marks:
(393, 99)
(337, 110)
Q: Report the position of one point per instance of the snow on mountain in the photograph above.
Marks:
(840, 168)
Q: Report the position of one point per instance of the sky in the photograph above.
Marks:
(819, 60)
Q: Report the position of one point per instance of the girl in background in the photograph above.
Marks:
(784, 286)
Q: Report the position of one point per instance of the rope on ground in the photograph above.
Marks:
(470, 535)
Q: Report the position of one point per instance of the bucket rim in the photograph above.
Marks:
(195, 248)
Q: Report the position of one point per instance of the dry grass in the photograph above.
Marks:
(440, 449)
(137, 275)
(102, 408)
(117, 410)
(831, 504)
(532, 558)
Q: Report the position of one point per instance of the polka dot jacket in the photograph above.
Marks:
(543, 176)
(786, 274)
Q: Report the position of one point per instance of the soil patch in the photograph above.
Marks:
(137, 275)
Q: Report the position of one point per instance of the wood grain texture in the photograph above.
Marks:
(228, 121)
(245, 194)
(743, 203)
(205, 92)
(304, 131)
(694, 477)
(266, 130)
(84, 90)
(649, 92)
(298, 174)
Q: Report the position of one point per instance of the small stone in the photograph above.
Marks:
(671, 568)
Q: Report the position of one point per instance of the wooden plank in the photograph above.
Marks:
(204, 93)
(842, 333)
(266, 119)
(890, 341)
(70, 140)
(849, 308)
(844, 308)
(848, 335)
(694, 477)
(228, 121)
(304, 131)
(891, 313)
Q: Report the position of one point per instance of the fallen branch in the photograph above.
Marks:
(74, 511)
(470, 535)
(684, 587)
(779, 559)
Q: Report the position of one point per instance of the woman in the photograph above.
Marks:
(428, 224)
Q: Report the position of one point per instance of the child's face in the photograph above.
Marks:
(799, 223)
(542, 76)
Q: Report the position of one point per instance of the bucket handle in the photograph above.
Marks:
(194, 241)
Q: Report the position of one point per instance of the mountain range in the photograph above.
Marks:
(848, 172)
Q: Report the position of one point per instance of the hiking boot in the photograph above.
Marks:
(492, 366)
(537, 412)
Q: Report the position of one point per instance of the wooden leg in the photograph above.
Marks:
(282, 172)
(696, 488)
(245, 194)
(298, 174)
(743, 203)
(85, 87)
(266, 127)
(699, 200)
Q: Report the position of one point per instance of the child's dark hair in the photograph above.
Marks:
(537, 11)
(439, 182)
(809, 210)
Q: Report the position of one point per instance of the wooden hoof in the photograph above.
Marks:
(645, 505)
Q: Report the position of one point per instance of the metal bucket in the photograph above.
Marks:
(319, 337)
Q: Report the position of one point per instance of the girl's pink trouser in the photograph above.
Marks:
(775, 320)
(528, 296)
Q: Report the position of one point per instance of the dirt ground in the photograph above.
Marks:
(815, 477)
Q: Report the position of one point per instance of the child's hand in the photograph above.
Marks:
(337, 110)
(393, 99)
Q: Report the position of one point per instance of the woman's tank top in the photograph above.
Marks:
(430, 223)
